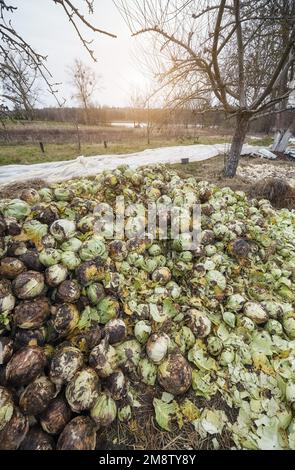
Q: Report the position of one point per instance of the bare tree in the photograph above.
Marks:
(230, 54)
(84, 81)
(135, 100)
(145, 102)
(19, 85)
(12, 42)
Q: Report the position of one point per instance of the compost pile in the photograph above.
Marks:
(87, 321)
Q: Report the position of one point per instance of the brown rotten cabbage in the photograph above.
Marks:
(36, 396)
(37, 439)
(14, 432)
(64, 364)
(82, 390)
(65, 318)
(175, 374)
(28, 285)
(25, 365)
(56, 416)
(78, 434)
(31, 314)
(10, 267)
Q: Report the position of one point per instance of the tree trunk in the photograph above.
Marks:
(233, 157)
(281, 140)
(78, 136)
(282, 137)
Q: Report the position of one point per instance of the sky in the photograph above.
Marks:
(44, 26)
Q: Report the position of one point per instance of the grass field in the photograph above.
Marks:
(30, 153)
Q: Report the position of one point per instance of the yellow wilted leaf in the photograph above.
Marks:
(23, 237)
(129, 326)
(125, 292)
(127, 309)
(179, 417)
(133, 426)
(202, 281)
(284, 354)
(261, 362)
(219, 293)
(189, 410)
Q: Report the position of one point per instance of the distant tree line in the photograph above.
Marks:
(160, 118)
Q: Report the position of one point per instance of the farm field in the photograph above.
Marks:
(19, 143)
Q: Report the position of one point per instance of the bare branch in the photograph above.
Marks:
(74, 10)
(13, 44)
(209, 9)
(170, 38)
(215, 55)
(5, 7)
(269, 113)
(237, 12)
(277, 71)
(84, 42)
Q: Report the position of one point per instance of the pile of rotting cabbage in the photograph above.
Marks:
(84, 318)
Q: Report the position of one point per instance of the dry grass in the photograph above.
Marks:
(66, 133)
(142, 432)
(277, 191)
(13, 190)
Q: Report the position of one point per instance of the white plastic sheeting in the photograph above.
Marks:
(265, 153)
(89, 166)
